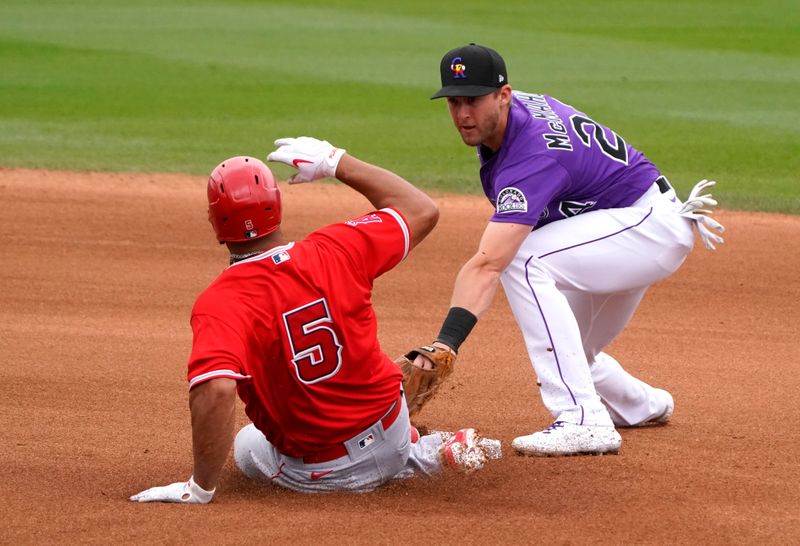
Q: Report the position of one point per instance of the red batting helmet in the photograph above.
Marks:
(244, 202)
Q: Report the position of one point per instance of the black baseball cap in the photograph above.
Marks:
(471, 71)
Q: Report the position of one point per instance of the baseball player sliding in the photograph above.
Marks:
(583, 224)
(290, 327)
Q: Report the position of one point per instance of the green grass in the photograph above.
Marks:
(705, 89)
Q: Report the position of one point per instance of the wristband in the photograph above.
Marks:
(332, 161)
(456, 327)
(197, 492)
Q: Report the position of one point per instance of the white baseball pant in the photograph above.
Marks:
(574, 286)
(389, 455)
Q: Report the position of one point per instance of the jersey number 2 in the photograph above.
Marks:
(617, 151)
(316, 351)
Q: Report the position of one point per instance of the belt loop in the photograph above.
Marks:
(663, 184)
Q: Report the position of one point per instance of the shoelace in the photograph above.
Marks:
(554, 426)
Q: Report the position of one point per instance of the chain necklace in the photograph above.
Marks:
(239, 257)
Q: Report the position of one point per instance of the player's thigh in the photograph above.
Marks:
(607, 251)
(602, 317)
(253, 454)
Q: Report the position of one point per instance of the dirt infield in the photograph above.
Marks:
(99, 273)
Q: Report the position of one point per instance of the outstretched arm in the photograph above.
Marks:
(476, 283)
(212, 405)
(315, 159)
(474, 290)
(384, 188)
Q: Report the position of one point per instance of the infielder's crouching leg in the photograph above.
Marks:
(630, 401)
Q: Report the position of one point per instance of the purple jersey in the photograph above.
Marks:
(555, 162)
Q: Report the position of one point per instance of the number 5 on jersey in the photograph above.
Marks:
(316, 351)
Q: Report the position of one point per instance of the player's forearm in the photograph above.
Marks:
(475, 286)
(476, 283)
(212, 405)
(381, 187)
(384, 188)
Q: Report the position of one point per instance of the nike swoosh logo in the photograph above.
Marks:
(297, 162)
(318, 475)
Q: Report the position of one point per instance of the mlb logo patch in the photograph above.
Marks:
(366, 440)
(281, 257)
(250, 232)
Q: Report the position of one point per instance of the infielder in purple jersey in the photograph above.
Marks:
(583, 224)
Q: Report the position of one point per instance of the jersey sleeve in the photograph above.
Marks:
(377, 241)
(523, 192)
(217, 351)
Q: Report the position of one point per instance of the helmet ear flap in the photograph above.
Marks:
(244, 202)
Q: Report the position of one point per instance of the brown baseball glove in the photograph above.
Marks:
(420, 385)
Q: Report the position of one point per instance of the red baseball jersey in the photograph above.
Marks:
(296, 328)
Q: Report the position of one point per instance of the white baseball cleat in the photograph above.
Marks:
(467, 452)
(563, 438)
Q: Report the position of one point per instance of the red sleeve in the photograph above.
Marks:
(377, 241)
(217, 351)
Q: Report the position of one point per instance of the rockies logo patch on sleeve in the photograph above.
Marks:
(511, 200)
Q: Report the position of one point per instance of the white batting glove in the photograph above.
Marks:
(180, 492)
(695, 201)
(692, 209)
(313, 159)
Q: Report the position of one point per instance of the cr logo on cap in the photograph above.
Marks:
(458, 68)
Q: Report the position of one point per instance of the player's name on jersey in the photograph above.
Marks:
(539, 109)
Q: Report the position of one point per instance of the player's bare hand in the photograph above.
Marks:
(313, 158)
(426, 363)
(181, 492)
(422, 362)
